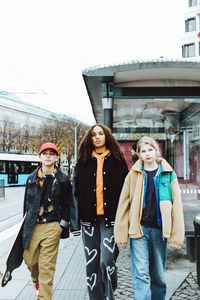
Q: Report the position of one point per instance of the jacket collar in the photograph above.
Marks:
(164, 165)
(59, 175)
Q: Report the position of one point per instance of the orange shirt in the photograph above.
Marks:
(99, 180)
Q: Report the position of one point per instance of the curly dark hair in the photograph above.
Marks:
(86, 146)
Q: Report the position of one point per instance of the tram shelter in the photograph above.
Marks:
(157, 98)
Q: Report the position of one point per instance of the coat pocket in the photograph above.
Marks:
(31, 194)
(165, 188)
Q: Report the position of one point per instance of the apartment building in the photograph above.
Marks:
(191, 40)
(22, 114)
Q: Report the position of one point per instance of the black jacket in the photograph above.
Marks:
(61, 195)
(84, 191)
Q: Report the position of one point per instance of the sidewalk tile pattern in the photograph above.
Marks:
(189, 289)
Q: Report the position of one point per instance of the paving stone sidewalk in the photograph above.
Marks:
(124, 290)
(189, 289)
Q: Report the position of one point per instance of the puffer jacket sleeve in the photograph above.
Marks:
(122, 215)
(177, 231)
(74, 206)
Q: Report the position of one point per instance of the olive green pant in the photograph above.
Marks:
(41, 257)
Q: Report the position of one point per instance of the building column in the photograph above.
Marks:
(186, 155)
(107, 104)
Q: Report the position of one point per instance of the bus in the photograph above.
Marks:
(15, 168)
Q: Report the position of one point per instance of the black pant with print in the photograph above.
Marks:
(100, 253)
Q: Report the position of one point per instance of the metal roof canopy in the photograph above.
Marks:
(146, 78)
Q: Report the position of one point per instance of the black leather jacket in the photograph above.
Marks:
(61, 195)
(83, 208)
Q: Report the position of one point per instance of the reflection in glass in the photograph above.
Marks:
(174, 123)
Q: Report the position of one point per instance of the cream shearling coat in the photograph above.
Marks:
(129, 212)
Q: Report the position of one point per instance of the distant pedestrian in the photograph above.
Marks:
(46, 205)
(98, 178)
(149, 213)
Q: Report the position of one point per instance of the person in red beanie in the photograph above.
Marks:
(47, 198)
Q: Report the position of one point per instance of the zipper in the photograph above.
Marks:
(157, 182)
(141, 205)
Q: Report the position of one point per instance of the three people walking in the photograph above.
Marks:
(110, 205)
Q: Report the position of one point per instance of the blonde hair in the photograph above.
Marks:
(150, 141)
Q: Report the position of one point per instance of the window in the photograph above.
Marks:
(27, 167)
(2, 167)
(188, 50)
(13, 172)
(190, 25)
(127, 109)
(192, 3)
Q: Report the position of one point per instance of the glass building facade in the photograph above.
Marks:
(174, 123)
(159, 99)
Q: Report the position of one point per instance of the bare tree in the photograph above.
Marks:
(4, 135)
(66, 133)
(62, 133)
(74, 132)
(10, 133)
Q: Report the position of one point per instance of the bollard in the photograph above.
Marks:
(197, 245)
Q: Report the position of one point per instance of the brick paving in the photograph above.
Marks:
(124, 290)
(189, 289)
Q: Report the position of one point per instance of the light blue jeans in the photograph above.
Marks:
(148, 265)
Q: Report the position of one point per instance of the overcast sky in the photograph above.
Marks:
(50, 42)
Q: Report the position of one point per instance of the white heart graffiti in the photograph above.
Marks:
(110, 243)
(91, 232)
(92, 281)
(90, 254)
(110, 271)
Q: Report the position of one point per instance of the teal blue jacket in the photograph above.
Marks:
(162, 181)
